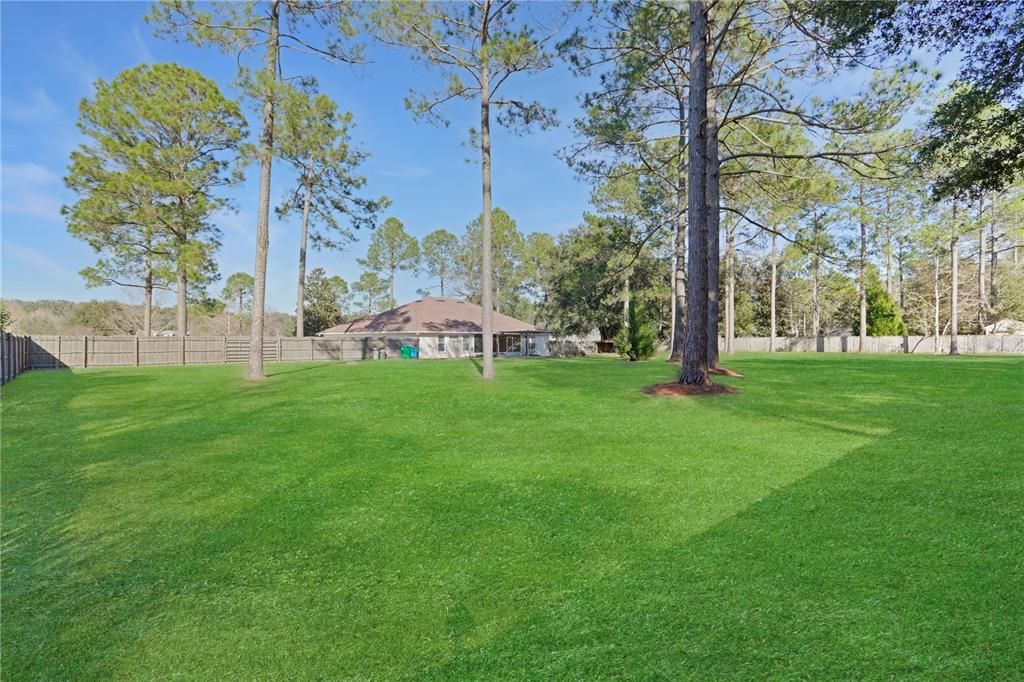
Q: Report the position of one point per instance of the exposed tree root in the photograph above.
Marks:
(678, 390)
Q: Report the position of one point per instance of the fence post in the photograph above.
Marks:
(183, 337)
(279, 358)
(85, 351)
(137, 343)
(58, 363)
(224, 350)
(311, 348)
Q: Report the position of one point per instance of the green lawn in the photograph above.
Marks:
(839, 517)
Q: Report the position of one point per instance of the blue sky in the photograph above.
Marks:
(53, 52)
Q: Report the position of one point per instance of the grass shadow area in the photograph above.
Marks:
(889, 562)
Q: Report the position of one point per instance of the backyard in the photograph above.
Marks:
(392, 520)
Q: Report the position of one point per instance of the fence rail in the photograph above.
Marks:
(51, 352)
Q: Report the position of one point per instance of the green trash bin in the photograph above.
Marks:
(409, 352)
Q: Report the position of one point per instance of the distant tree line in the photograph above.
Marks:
(207, 317)
(723, 200)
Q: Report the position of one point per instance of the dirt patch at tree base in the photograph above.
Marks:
(725, 372)
(681, 390)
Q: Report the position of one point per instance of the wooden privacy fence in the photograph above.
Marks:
(50, 352)
(966, 343)
(14, 356)
(20, 353)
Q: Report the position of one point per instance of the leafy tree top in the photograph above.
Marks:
(161, 139)
(314, 138)
(391, 249)
(478, 46)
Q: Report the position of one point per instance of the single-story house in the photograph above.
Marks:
(445, 327)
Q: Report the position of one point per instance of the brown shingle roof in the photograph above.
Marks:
(431, 314)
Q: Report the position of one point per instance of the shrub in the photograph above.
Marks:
(635, 341)
(884, 316)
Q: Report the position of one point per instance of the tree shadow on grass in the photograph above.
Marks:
(89, 552)
(879, 565)
(290, 368)
(173, 520)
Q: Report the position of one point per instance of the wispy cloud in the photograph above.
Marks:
(142, 52)
(242, 222)
(32, 190)
(33, 258)
(37, 107)
(407, 172)
(74, 64)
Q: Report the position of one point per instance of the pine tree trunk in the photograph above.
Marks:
(266, 152)
(771, 339)
(888, 240)
(861, 284)
(300, 294)
(714, 220)
(672, 301)
(900, 267)
(147, 299)
(938, 303)
(486, 256)
(730, 289)
(695, 357)
(816, 319)
(181, 327)
(982, 297)
(992, 292)
(679, 243)
(954, 304)
(625, 302)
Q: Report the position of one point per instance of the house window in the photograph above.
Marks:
(441, 348)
